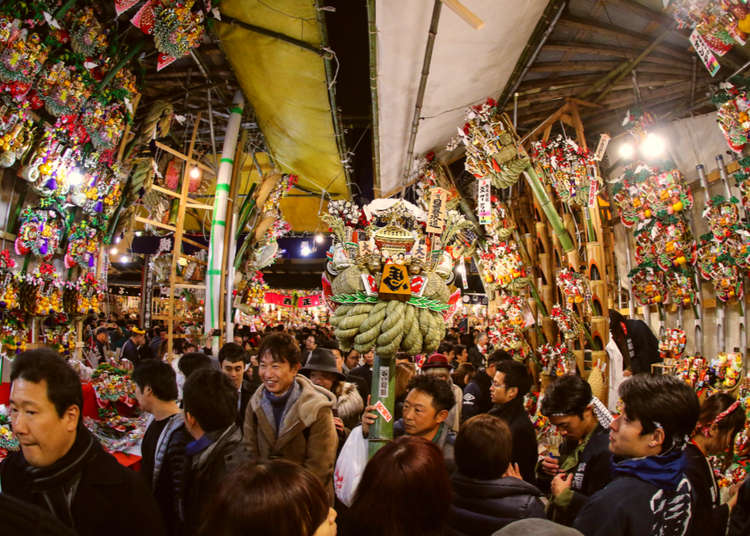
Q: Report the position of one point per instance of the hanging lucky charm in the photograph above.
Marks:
(648, 285)
(83, 246)
(672, 344)
(40, 233)
(177, 28)
(491, 145)
(566, 167)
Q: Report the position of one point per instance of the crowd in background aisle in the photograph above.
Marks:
(266, 438)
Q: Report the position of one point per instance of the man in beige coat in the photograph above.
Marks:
(288, 416)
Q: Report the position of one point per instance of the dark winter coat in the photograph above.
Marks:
(477, 397)
(135, 354)
(648, 496)
(106, 497)
(476, 357)
(170, 475)
(709, 515)
(481, 507)
(246, 392)
(645, 346)
(592, 473)
(525, 450)
(364, 372)
(739, 520)
(207, 470)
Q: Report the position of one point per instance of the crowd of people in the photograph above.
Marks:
(262, 439)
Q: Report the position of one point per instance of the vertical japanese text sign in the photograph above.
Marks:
(438, 209)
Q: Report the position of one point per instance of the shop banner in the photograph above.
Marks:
(704, 53)
(484, 202)
(310, 301)
(438, 211)
(283, 300)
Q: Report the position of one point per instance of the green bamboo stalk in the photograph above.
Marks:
(549, 209)
(63, 9)
(246, 210)
(137, 47)
(239, 257)
(381, 432)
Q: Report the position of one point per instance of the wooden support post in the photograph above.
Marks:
(179, 230)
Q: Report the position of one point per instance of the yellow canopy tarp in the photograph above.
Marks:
(287, 87)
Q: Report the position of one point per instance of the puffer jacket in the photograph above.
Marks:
(306, 434)
(170, 470)
(208, 468)
(480, 507)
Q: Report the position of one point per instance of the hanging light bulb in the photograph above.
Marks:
(125, 259)
(653, 146)
(74, 177)
(113, 251)
(195, 172)
(305, 249)
(626, 151)
(319, 238)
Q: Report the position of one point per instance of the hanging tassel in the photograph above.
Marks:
(51, 184)
(99, 207)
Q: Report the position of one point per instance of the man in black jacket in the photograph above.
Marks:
(477, 398)
(487, 493)
(583, 466)
(650, 493)
(163, 444)
(511, 383)
(61, 468)
(210, 402)
(233, 360)
(365, 371)
(477, 351)
(135, 348)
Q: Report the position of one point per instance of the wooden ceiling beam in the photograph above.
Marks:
(555, 82)
(597, 49)
(646, 12)
(617, 32)
(573, 66)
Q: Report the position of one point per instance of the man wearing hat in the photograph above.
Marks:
(438, 365)
(322, 370)
(135, 348)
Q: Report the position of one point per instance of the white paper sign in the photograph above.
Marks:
(484, 205)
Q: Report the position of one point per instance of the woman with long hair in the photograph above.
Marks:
(721, 418)
(404, 491)
(274, 498)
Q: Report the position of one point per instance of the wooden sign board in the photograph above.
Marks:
(438, 211)
(395, 283)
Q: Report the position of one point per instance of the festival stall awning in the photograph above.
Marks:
(467, 66)
(278, 53)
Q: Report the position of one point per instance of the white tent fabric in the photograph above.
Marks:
(467, 67)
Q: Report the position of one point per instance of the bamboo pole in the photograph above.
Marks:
(422, 87)
(227, 268)
(382, 389)
(218, 223)
(373, 46)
